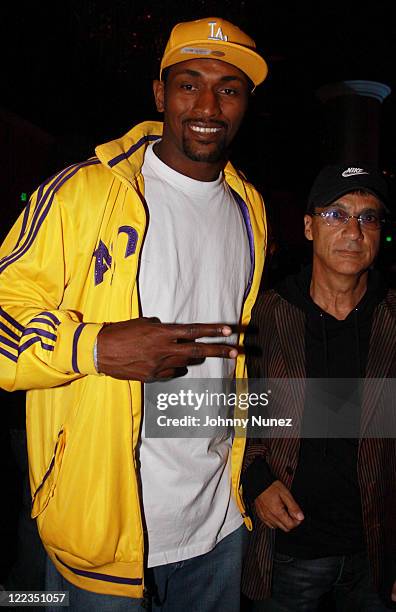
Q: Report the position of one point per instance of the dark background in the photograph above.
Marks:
(80, 71)
(75, 73)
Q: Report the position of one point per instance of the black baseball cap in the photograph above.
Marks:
(334, 181)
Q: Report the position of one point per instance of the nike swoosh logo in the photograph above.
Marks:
(348, 173)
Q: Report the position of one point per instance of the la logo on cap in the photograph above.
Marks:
(218, 35)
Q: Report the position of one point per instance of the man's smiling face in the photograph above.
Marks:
(204, 102)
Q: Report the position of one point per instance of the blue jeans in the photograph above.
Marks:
(298, 585)
(208, 583)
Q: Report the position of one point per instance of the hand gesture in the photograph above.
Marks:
(146, 349)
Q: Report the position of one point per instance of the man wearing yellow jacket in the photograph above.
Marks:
(102, 280)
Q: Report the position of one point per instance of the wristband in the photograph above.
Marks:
(95, 355)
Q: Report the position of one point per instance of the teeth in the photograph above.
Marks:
(203, 130)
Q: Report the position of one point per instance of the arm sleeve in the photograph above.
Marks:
(42, 345)
(256, 478)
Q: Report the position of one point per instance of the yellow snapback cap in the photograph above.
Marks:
(214, 38)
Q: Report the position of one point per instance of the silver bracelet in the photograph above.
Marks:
(95, 355)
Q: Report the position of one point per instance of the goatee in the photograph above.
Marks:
(212, 156)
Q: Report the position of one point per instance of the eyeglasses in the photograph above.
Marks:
(335, 217)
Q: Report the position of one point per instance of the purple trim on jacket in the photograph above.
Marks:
(8, 342)
(37, 209)
(39, 332)
(76, 337)
(48, 472)
(47, 347)
(7, 354)
(51, 316)
(24, 224)
(36, 221)
(10, 320)
(246, 217)
(151, 137)
(8, 331)
(106, 577)
(41, 320)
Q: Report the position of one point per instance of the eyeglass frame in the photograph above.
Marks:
(345, 220)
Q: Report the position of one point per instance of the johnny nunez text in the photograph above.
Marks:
(218, 421)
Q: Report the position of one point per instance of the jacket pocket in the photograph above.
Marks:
(46, 488)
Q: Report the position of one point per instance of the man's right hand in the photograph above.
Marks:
(276, 507)
(146, 349)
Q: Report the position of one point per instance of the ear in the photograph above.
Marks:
(308, 227)
(159, 95)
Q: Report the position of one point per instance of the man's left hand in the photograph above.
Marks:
(394, 591)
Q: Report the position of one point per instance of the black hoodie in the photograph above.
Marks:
(325, 484)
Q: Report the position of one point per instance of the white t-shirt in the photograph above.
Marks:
(195, 267)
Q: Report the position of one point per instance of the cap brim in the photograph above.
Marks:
(331, 199)
(247, 60)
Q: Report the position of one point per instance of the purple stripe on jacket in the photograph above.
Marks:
(36, 226)
(246, 217)
(97, 576)
(24, 224)
(8, 342)
(41, 320)
(77, 335)
(41, 199)
(7, 354)
(8, 331)
(39, 332)
(26, 345)
(51, 316)
(48, 472)
(10, 320)
(151, 137)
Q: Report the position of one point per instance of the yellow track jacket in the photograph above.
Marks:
(68, 265)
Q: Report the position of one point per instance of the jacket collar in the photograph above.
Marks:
(124, 156)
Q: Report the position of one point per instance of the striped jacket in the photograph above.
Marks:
(281, 335)
(69, 265)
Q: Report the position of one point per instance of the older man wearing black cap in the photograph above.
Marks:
(325, 507)
(118, 265)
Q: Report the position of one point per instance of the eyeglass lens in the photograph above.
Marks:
(338, 216)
